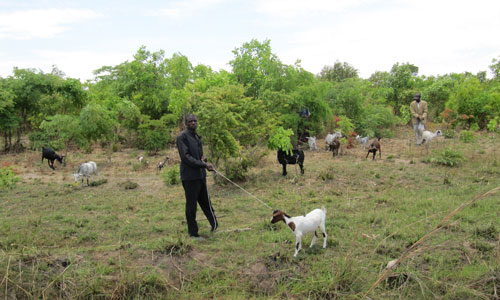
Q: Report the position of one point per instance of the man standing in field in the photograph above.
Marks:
(418, 109)
(193, 176)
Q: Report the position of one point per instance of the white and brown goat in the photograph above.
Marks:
(301, 225)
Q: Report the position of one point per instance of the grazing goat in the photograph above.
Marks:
(374, 147)
(303, 224)
(334, 146)
(297, 157)
(331, 136)
(311, 140)
(85, 170)
(363, 140)
(161, 164)
(428, 136)
(51, 155)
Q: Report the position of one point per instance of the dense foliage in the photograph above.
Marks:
(141, 103)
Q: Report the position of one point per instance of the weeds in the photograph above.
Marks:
(448, 157)
(8, 178)
(171, 175)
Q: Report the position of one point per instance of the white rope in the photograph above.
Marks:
(217, 172)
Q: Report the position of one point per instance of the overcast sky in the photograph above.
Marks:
(438, 36)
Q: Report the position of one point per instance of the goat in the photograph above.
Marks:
(331, 136)
(161, 164)
(303, 224)
(334, 146)
(51, 155)
(297, 157)
(85, 170)
(311, 140)
(428, 136)
(363, 140)
(374, 147)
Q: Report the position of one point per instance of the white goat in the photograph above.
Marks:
(303, 224)
(85, 170)
(363, 140)
(332, 136)
(428, 136)
(311, 140)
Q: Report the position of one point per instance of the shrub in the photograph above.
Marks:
(8, 178)
(236, 169)
(98, 182)
(171, 176)
(466, 136)
(449, 133)
(129, 185)
(493, 125)
(448, 157)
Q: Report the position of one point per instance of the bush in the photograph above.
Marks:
(447, 157)
(493, 125)
(171, 176)
(449, 133)
(8, 178)
(466, 136)
(129, 185)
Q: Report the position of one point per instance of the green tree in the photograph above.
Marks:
(9, 121)
(338, 72)
(495, 68)
(402, 82)
(142, 81)
(96, 123)
(64, 129)
(154, 134)
(255, 66)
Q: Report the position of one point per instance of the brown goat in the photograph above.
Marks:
(374, 147)
(334, 146)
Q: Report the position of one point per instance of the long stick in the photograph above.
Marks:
(262, 202)
(440, 225)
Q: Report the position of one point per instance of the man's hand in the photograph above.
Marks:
(210, 167)
(204, 159)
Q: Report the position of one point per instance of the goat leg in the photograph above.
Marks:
(314, 239)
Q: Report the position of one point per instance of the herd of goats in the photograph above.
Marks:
(296, 156)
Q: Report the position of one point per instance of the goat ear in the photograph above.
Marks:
(292, 226)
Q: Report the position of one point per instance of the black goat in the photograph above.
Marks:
(374, 147)
(297, 157)
(51, 155)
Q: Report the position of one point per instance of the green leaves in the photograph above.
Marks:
(280, 139)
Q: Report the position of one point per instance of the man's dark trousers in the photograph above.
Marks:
(196, 192)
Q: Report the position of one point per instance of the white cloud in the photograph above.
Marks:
(41, 23)
(443, 36)
(184, 8)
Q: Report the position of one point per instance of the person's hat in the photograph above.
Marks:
(417, 96)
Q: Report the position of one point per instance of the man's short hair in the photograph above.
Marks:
(189, 116)
(417, 96)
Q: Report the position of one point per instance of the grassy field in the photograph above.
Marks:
(60, 240)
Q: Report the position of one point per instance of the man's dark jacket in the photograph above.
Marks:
(191, 151)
